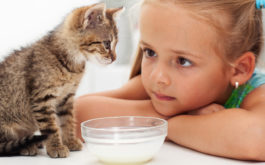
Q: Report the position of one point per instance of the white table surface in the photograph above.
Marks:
(169, 154)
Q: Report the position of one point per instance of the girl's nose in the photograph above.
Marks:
(160, 76)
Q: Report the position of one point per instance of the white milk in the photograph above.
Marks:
(125, 150)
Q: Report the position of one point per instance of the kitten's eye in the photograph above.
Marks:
(149, 52)
(184, 62)
(107, 44)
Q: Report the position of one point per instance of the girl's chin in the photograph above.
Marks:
(165, 110)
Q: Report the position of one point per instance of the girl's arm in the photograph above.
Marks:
(132, 90)
(129, 100)
(101, 106)
(234, 133)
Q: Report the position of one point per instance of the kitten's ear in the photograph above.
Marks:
(94, 15)
(115, 11)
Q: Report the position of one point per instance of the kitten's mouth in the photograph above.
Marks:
(106, 60)
(113, 58)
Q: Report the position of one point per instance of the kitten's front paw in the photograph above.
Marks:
(29, 151)
(60, 151)
(74, 144)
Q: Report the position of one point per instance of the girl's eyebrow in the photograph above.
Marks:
(178, 52)
(144, 43)
(186, 53)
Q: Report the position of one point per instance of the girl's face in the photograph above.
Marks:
(181, 69)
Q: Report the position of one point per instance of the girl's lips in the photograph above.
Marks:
(163, 97)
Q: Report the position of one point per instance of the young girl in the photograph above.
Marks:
(195, 67)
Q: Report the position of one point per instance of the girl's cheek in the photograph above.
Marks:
(146, 69)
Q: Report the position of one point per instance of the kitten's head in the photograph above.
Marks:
(94, 32)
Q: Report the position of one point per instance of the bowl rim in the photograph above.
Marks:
(164, 124)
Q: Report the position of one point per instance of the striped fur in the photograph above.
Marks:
(14, 147)
(38, 83)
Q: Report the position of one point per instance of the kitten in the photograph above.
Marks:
(38, 83)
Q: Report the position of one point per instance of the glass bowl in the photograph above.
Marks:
(124, 140)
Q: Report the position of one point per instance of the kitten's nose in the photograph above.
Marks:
(106, 44)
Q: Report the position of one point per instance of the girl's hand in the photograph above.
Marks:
(211, 108)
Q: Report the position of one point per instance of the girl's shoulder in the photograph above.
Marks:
(134, 89)
(256, 94)
(251, 89)
(257, 79)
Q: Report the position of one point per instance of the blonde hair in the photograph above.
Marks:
(242, 32)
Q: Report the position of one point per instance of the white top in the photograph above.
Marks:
(169, 154)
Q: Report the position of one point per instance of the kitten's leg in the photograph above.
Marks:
(66, 116)
(31, 150)
(45, 115)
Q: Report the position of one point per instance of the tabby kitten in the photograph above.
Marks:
(38, 83)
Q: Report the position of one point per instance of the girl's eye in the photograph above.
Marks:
(149, 52)
(184, 62)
